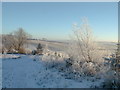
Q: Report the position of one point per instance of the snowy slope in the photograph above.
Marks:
(0, 73)
(30, 72)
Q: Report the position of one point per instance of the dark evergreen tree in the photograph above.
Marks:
(39, 47)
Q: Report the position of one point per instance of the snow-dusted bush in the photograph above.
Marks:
(39, 50)
(111, 79)
(54, 58)
(112, 76)
(88, 68)
(84, 50)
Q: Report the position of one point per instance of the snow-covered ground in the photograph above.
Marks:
(0, 73)
(29, 71)
(9, 56)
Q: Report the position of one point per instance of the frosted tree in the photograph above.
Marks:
(21, 38)
(83, 48)
(15, 41)
(9, 42)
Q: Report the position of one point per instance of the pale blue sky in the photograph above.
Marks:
(0, 17)
(54, 20)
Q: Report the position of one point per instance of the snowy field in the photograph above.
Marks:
(63, 45)
(29, 71)
(0, 73)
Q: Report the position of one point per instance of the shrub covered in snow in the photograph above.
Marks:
(38, 50)
(83, 49)
(53, 58)
(111, 79)
(88, 68)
